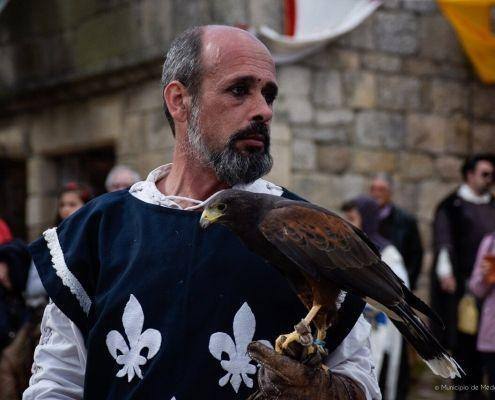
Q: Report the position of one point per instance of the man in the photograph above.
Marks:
(461, 221)
(121, 177)
(146, 304)
(398, 226)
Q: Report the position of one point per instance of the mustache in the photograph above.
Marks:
(259, 130)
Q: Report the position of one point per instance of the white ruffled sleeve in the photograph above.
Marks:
(59, 359)
(352, 358)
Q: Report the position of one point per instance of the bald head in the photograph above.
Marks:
(201, 50)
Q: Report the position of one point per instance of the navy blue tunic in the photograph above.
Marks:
(171, 307)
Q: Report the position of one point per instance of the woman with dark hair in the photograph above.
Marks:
(363, 212)
(71, 198)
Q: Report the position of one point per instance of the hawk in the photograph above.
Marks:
(321, 254)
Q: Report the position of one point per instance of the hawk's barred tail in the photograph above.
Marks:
(423, 341)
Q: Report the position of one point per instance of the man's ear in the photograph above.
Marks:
(177, 99)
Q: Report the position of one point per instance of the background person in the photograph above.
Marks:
(121, 177)
(398, 226)
(461, 221)
(386, 340)
(482, 284)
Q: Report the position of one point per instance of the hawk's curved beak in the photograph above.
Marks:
(208, 217)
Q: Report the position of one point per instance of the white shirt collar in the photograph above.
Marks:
(149, 193)
(467, 194)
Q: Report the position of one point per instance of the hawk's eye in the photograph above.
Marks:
(221, 207)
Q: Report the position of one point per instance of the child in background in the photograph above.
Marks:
(482, 284)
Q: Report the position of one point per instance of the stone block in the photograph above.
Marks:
(157, 133)
(149, 160)
(303, 154)
(327, 89)
(421, 67)
(380, 129)
(328, 190)
(426, 132)
(335, 58)
(40, 209)
(332, 158)
(280, 133)
(41, 176)
(229, 12)
(381, 62)
(368, 162)
(415, 166)
(399, 93)
(314, 187)
(334, 117)
(406, 195)
(117, 34)
(391, 4)
(281, 173)
(299, 109)
(438, 40)
(448, 168)
(294, 80)
(360, 38)
(145, 96)
(458, 136)
(449, 97)
(267, 12)
(78, 125)
(396, 32)
(131, 138)
(484, 138)
(360, 88)
(156, 27)
(13, 140)
(322, 134)
(431, 192)
(191, 13)
(421, 6)
(484, 102)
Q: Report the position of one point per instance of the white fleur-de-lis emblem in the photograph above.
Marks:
(130, 357)
(238, 365)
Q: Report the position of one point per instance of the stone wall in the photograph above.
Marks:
(395, 95)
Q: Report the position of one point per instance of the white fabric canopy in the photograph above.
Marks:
(317, 22)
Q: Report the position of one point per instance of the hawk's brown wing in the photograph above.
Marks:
(328, 248)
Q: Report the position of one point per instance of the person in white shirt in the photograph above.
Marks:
(461, 221)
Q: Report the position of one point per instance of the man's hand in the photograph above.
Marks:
(448, 284)
(283, 378)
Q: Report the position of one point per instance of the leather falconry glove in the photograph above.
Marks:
(283, 378)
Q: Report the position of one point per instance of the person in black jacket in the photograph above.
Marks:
(399, 227)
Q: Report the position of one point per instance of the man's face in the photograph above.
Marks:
(121, 180)
(481, 179)
(229, 123)
(380, 191)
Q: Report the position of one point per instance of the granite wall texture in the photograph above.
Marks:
(397, 95)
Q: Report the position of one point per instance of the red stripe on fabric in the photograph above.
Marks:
(290, 17)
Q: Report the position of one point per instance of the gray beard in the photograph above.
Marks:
(230, 165)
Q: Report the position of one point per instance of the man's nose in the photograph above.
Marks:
(262, 111)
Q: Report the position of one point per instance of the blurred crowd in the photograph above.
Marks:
(462, 278)
(22, 296)
(462, 289)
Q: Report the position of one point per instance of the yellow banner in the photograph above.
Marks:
(471, 20)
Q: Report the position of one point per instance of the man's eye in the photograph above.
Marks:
(270, 98)
(239, 90)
